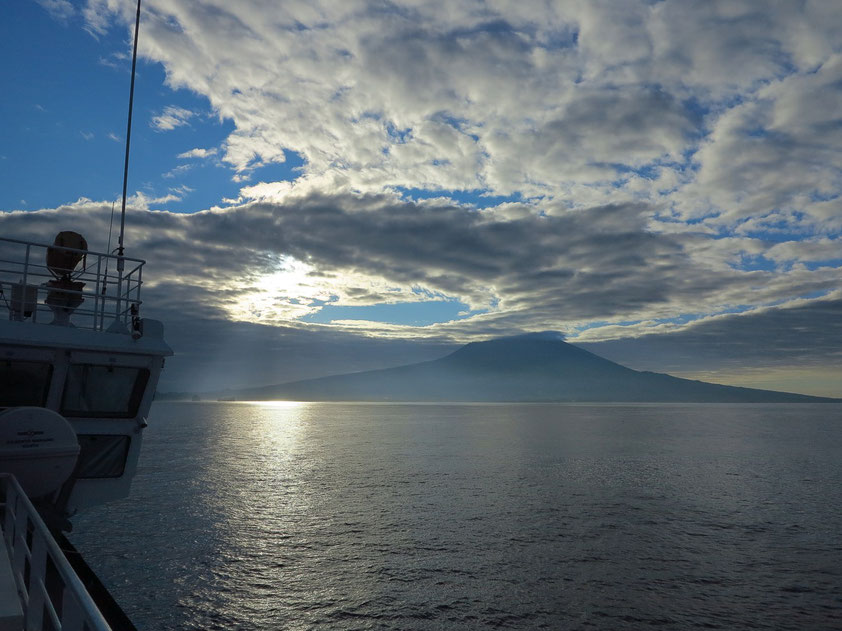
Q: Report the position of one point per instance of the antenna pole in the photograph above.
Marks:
(120, 261)
(128, 139)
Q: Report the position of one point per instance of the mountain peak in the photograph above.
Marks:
(531, 367)
(540, 336)
(529, 353)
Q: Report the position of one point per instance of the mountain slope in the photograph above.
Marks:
(535, 367)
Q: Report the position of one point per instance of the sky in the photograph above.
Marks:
(327, 186)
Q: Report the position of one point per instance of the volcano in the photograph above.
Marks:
(538, 367)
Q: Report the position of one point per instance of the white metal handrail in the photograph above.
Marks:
(52, 595)
(107, 290)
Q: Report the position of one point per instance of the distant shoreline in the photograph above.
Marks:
(165, 398)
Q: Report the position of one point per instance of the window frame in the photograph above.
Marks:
(127, 440)
(135, 398)
(47, 386)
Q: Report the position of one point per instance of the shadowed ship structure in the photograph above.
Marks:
(78, 371)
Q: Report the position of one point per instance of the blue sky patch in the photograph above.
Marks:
(476, 197)
(404, 313)
(814, 265)
(754, 263)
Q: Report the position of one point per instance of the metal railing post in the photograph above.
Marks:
(19, 549)
(121, 263)
(139, 283)
(96, 297)
(77, 609)
(120, 286)
(37, 592)
(9, 521)
(21, 317)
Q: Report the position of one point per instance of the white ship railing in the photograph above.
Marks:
(111, 289)
(52, 596)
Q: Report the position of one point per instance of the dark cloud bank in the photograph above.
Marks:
(528, 270)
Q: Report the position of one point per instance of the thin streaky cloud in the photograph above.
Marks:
(172, 117)
(198, 153)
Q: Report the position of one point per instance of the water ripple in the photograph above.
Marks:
(460, 517)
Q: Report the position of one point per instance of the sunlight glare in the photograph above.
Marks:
(287, 293)
(278, 404)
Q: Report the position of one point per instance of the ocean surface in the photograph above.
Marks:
(396, 516)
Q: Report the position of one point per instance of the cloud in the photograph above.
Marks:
(172, 117)
(664, 166)
(142, 201)
(593, 273)
(776, 156)
(176, 171)
(266, 191)
(805, 334)
(118, 60)
(60, 10)
(708, 109)
(198, 153)
(524, 271)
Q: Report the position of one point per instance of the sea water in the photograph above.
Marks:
(396, 516)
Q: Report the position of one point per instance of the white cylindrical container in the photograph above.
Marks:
(39, 447)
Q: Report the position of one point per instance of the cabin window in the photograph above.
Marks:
(24, 383)
(103, 391)
(102, 455)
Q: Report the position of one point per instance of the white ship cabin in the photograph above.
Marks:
(78, 371)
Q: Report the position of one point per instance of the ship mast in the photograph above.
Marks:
(128, 141)
(120, 249)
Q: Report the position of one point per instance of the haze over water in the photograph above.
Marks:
(396, 516)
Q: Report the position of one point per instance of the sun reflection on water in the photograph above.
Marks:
(278, 404)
